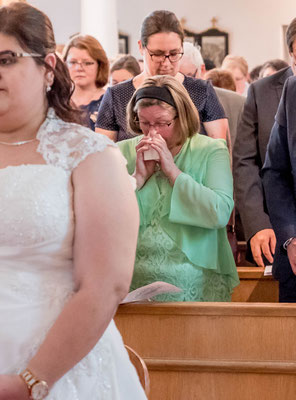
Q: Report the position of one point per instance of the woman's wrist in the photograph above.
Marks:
(173, 175)
(140, 181)
(13, 387)
(25, 388)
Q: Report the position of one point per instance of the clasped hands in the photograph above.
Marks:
(146, 168)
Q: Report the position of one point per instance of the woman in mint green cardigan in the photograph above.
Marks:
(184, 192)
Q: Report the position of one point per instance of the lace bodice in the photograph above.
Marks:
(36, 209)
(34, 204)
(37, 217)
(36, 200)
(65, 145)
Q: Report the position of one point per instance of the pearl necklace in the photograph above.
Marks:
(18, 143)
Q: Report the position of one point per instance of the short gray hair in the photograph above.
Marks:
(193, 54)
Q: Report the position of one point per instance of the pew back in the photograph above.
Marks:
(214, 351)
(255, 287)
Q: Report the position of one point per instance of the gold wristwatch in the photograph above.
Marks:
(38, 389)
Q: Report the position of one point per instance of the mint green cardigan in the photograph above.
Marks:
(198, 207)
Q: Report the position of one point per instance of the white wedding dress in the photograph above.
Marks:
(36, 276)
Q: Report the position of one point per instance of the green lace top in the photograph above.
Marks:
(182, 238)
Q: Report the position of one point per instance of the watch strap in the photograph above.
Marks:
(31, 380)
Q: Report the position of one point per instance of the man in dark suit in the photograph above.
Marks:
(249, 155)
(279, 179)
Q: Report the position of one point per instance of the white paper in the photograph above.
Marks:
(151, 154)
(148, 291)
(268, 270)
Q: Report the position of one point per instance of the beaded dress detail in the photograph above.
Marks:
(36, 266)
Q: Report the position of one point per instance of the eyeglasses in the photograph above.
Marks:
(173, 57)
(193, 74)
(159, 126)
(9, 57)
(83, 64)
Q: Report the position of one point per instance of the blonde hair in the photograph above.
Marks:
(231, 61)
(188, 117)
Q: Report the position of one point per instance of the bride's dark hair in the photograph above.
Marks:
(33, 31)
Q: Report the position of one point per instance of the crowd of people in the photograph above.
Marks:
(84, 220)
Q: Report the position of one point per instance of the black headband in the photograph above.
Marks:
(155, 92)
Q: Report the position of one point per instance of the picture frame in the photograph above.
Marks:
(123, 44)
(213, 44)
(192, 37)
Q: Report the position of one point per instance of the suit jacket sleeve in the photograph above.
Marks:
(246, 169)
(278, 172)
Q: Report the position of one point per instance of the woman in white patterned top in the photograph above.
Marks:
(66, 247)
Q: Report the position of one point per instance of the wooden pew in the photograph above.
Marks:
(214, 351)
(255, 287)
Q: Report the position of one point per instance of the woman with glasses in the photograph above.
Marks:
(184, 192)
(60, 278)
(161, 46)
(89, 70)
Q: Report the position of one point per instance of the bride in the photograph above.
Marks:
(66, 244)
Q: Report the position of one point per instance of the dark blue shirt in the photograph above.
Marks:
(112, 111)
(91, 112)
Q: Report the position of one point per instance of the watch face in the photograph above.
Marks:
(39, 391)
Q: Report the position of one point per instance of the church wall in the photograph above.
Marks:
(254, 27)
(64, 15)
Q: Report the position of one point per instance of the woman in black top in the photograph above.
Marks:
(161, 46)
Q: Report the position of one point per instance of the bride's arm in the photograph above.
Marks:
(106, 226)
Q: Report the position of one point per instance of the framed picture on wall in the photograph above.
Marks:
(123, 46)
(214, 45)
(191, 37)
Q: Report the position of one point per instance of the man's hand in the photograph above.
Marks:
(263, 242)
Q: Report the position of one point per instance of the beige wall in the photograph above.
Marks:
(254, 26)
(64, 15)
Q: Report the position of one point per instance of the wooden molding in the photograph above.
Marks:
(214, 309)
(235, 366)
